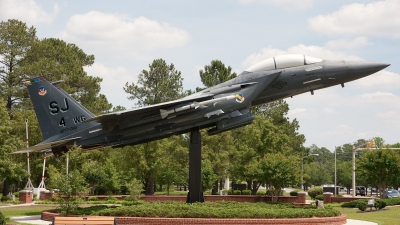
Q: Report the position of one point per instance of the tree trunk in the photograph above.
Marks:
(6, 187)
(249, 182)
(221, 184)
(149, 187)
(215, 188)
(255, 188)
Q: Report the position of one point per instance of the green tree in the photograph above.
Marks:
(16, 39)
(278, 171)
(93, 174)
(71, 186)
(161, 83)
(378, 168)
(217, 149)
(11, 170)
(216, 73)
(207, 175)
(59, 60)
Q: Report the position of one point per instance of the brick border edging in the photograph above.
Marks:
(337, 220)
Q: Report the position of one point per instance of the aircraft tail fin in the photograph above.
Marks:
(57, 112)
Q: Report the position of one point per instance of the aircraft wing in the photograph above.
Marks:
(43, 146)
(145, 114)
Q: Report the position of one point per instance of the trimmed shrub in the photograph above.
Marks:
(293, 193)
(380, 204)
(236, 192)
(362, 206)
(16, 194)
(353, 204)
(246, 192)
(313, 192)
(111, 199)
(2, 219)
(215, 210)
(319, 197)
(93, 198)
(260, 193)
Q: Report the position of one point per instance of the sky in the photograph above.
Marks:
(126, 36)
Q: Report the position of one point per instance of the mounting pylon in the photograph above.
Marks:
(42, 185)
(28, 185)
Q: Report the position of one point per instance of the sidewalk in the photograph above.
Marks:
(37, 220)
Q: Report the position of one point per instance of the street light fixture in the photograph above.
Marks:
(302, 162)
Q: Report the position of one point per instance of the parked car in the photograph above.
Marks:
(342, 189)
(392, 193)
(360, 190)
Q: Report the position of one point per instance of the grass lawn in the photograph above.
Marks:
(23, 211)
(387, 216)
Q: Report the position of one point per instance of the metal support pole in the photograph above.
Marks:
(29, 185)
(67, 163)
(335, 174)
(354, 171)
(302, 185)
(195, 193)
(42, 184)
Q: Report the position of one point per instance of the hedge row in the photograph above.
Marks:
(210, 210)
(388, 201)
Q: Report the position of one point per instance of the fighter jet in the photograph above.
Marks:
(64, 121)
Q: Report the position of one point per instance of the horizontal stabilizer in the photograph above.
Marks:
(43, 146)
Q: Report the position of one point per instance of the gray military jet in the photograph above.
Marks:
(64, 121)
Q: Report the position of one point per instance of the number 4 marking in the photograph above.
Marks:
(62, 122)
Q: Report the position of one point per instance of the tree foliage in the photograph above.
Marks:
(380, 168)
(161, 83)
(216, 73)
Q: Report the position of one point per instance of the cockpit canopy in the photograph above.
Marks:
(283, 61)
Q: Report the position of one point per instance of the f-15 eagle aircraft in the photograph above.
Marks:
(63, 121)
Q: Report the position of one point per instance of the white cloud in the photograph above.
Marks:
(383, 78)
(122, 34)
(328, 110)
(114, 80)
(355, 43)
(314, 51)
(285, 4)
(380, 18)
(377, 94)
(27, 11)
(297, 111)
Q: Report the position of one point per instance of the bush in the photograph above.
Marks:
(111, 199)
(260, 193)
(313, 192)
(353, 204)
(220, 209)
(362, 206)
(319, 197)
(16, 194)
(380, 204)
(2, 219)
(293, 193)
(93, 198)
(236, 192)
(246, 192)
(5, 198)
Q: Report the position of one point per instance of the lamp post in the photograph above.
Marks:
(302, 165)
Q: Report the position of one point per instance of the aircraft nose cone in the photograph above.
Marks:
(364, 68)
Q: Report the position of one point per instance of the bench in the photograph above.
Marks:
(100, 220)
